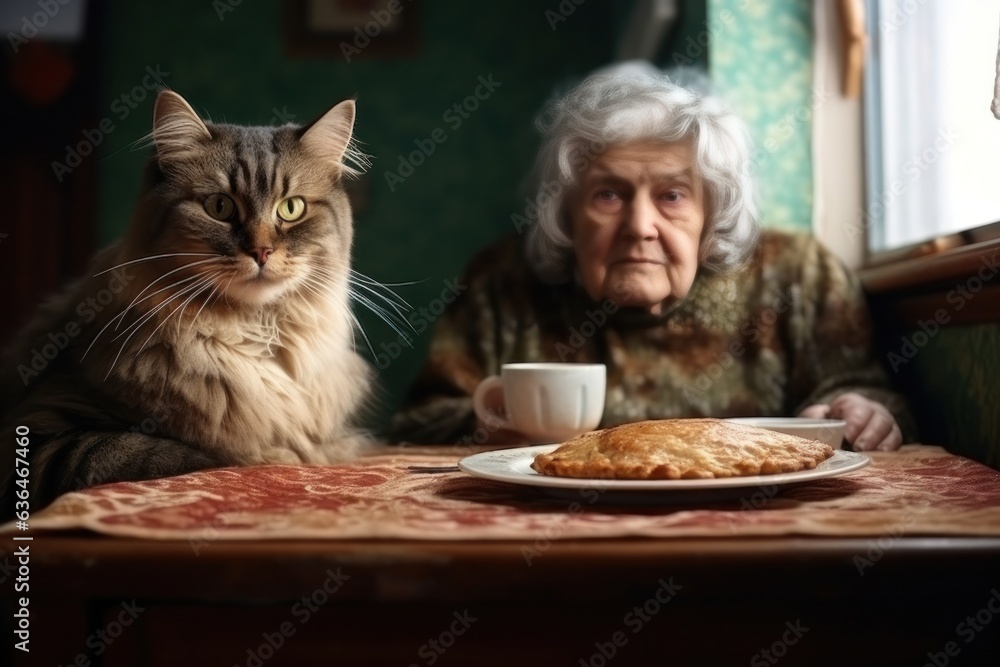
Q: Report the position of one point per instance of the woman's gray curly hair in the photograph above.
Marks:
(636, 102)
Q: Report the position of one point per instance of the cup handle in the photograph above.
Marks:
(487, 416)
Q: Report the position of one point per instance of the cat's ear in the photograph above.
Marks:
(329, 136)
(177, 129)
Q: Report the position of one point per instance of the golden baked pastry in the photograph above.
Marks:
(681, 449)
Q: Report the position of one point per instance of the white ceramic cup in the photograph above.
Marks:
(547, 402)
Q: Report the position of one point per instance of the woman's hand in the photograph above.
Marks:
(869, 424)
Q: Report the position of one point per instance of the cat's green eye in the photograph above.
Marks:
(220, 207)
(291, 209)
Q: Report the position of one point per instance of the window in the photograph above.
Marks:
(932, 142)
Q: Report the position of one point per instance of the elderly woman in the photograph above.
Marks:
(645, 254)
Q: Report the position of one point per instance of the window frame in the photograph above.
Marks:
(906, 263)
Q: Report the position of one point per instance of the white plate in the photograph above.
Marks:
(514, 466)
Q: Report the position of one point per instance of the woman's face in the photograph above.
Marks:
(637, 218)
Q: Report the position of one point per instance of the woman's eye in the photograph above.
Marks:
(607, 195)
(291, 209)
(220, 206)
(672, 196)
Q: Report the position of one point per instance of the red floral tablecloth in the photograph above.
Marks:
(920, 490)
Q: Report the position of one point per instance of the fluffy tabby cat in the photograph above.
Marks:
(228, 336)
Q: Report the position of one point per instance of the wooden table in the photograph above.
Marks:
(623, 601)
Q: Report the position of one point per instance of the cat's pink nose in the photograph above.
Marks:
(261, 255)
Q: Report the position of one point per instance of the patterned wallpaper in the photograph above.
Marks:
(761, 60)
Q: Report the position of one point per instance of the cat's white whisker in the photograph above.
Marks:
(225, 290)
(137, 300)
(357, 324)
(205, 303)
(368, 279)
(172, 271)
(395, 303)
(118, 318)
(313, 289)
(141, 319)
(180, 268)
(396, 320)
(164, 256)
(204, 285)
(312, 283)
(214, 285)
(316, 286)
(384, 315)
(139, 324)
(159, 291)
(320, 289)
(393, 299)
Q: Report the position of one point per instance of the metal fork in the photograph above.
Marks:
(431, 469)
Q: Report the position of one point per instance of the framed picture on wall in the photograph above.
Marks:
(352, 29)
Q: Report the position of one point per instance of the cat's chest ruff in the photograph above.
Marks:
(273, 358)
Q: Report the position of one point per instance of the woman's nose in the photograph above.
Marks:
(641, 219)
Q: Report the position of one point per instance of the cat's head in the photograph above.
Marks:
(253, 213)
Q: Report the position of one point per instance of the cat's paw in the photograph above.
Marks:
(345, 448)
